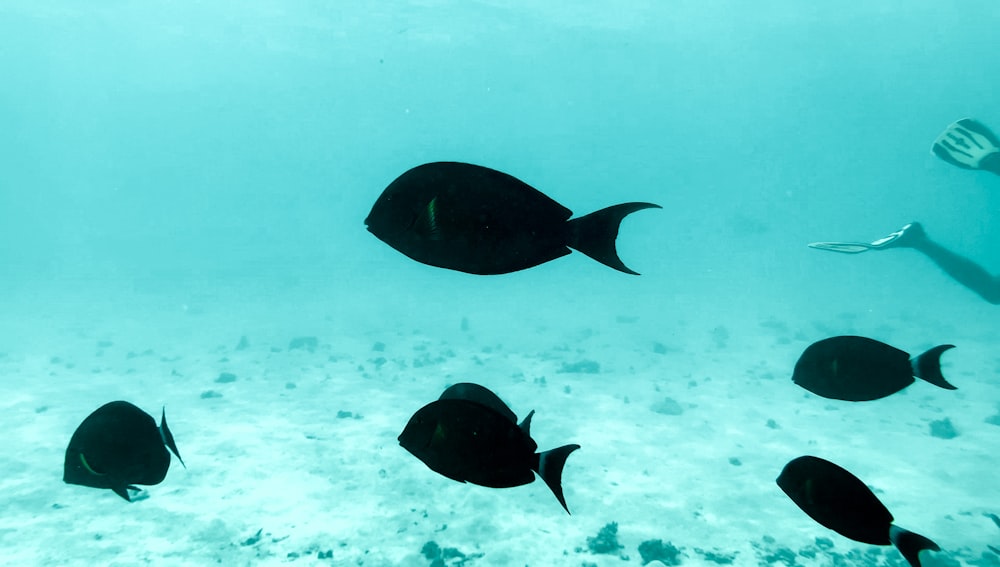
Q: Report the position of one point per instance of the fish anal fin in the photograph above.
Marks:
(122, 490)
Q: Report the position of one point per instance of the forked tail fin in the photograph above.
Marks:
(927, 366)
(550, 466)
(595, 234)
(910, 544)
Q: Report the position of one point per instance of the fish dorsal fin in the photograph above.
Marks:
(480, 395)
(525, 424)
(426, 223)
(168, 437)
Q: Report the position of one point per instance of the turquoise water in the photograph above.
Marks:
(176, 175)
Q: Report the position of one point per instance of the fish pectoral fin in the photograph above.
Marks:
(88, 468)
(426, 222)
(807, 492)
(438, 437)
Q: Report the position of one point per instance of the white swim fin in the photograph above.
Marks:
(912, 232)
(966, 143)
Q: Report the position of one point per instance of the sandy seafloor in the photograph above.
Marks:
(298, 456)
(177, 179)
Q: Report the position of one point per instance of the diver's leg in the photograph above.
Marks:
(960, 268)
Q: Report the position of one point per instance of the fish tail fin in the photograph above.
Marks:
(595, 234)
(168, 437)
(927, 366)
(550, 466)
(910, 544)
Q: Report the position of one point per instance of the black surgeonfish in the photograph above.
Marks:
(838, 500)
(858, 369)
(117, 446)
(996, 520)
(478, 220)
(470, 435)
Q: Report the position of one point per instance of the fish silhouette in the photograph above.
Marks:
(478, 220)
(859, 369)
(470, 435)
(838, 500)
(118, 446)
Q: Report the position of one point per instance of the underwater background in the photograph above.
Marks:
(182, 190)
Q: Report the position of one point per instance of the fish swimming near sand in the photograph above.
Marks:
(117, 447)
(478, 220)
(470, 435)
(840, 501)
(860, 369)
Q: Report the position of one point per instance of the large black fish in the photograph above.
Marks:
(470, 435)
(838, 500)
(858, 369)
(478, 220)
(117, 446)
